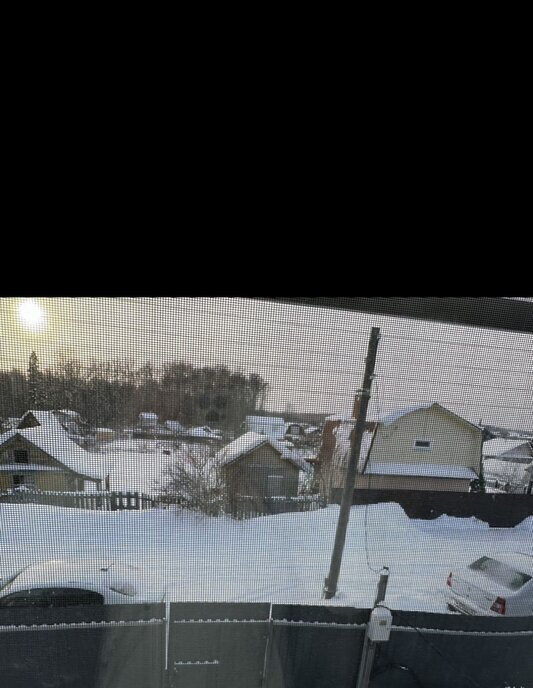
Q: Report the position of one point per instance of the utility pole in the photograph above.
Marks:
(330, 583)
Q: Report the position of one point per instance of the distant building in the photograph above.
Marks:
(175, 427)
(148, 420)
(506, 462)
(270, 426)
(517, 451)
(203, 432)
(149, 428)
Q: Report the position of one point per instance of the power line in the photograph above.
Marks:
(460, 384)
(413, 364)
(451, 343)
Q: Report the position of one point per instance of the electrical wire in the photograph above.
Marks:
(451, 343)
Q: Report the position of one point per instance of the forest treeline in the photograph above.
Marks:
(113, 393)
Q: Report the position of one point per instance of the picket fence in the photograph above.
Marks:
(98, 501)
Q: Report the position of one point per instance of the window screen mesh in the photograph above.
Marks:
(201, 446)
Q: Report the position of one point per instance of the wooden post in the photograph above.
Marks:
(330, 583)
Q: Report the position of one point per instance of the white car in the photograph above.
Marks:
(499, 585)
(65, 583)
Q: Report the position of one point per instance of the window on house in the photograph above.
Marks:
(422, 444)
(18, 480)
(21, 456)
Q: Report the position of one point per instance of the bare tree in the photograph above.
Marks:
(194, 481)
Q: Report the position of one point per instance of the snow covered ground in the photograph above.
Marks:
(136, 465)
(281, 559)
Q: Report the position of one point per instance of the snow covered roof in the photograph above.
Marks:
(252, 440)
(56, 443)
(310, 429)
(174, 425)
(339, 417)
(268, 425)
(393, 417)
(501, 445)
(44, 418)
(419, 469)
(204, 431)
(69, 412)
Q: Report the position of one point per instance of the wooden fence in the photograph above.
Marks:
(98, 501)
(243, 507)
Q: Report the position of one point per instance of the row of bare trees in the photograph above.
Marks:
(113, 393)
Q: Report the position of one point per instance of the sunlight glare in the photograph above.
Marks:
(31, 315)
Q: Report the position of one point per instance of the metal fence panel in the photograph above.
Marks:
(440, 651)
(315, 647)
(217, 645)
(119, 646)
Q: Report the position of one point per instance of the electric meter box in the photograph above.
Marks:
(379, 625)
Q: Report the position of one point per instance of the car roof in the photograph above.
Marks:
(90, 573)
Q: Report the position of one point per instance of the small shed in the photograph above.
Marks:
(256, 466)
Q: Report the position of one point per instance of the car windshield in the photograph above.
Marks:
(501, 572)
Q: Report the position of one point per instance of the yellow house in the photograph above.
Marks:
(423, 448)
(45, 458)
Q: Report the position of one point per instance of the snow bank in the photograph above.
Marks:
(282, 559)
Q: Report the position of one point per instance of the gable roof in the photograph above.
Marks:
(246, 443)
(44, 418)
(501, 445)
(57, 444)
(400, 413)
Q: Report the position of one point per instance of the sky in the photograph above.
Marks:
(312, 358)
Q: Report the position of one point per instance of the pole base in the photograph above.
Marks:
(327, 592)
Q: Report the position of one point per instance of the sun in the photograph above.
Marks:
(31, 315)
